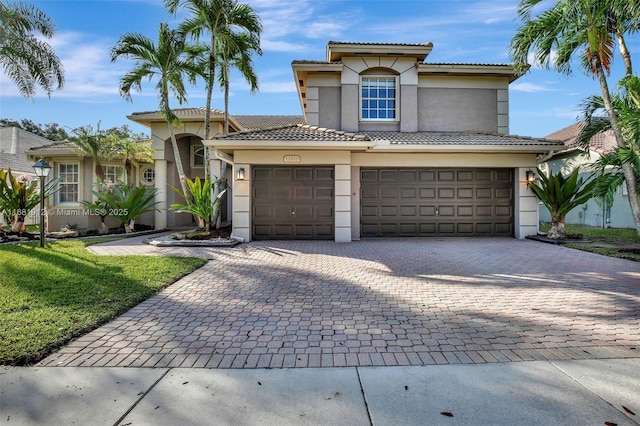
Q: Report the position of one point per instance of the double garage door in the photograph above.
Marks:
(436, 202)
(298, 202)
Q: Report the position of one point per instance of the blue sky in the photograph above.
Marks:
(462, 31)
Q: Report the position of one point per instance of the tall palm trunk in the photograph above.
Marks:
(624, 52)
(627, 168)
(178, 160)
(207, 112)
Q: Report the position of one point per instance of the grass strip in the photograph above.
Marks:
(52, 295)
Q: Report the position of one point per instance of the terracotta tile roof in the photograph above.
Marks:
(474, 64)
(458, 138)
(62, 146)
(306, 133)
(601, 143)
(255, 122)
(182, 112)
(429, 44)
(296, 132)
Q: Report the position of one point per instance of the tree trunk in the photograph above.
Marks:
(627, 168)
(226, 98)
(178, 161)
(103, 227)
(624, 52)
(557, 231)
(100, 171)
(18, 224)
(207, 112)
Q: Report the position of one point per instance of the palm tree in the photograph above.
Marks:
(25, 58)
(560, 195)
(170, 61)
(608, 167)
(131, 152)
(236, 53)
(557, 33)
(94, 144)
(221, 19)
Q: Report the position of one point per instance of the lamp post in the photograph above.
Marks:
(42, 169)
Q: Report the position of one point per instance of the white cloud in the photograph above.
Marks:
(536, 64)
(530, 87)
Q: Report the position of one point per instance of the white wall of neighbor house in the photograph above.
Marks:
(593, 212)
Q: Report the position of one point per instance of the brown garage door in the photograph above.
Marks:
(293, 202)
(436, 202)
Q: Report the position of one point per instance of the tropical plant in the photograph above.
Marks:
(99, 208)
(608, 168)
(171, 60)
(18, 196)
(221, 20)
(554, 36)
(92, 143)
(199, 201)
(131, 152)
(26, 58)
(236, 53)
(560, 195)
(127, 202)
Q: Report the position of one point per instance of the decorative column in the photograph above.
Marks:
(160, 218)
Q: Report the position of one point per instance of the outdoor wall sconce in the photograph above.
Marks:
(531, 176)
(42, 169)
(240, 174)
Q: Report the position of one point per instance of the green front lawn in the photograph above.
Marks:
(613, 242)
(49, 296)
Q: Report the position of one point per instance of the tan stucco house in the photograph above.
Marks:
(391, 146)
(388, 145)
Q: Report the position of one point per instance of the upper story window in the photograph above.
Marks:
(378, 98)
(69, 183)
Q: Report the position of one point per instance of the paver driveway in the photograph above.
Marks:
(375, 302)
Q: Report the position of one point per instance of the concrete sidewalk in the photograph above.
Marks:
(579, 392)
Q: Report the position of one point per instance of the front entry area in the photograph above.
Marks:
(436, 202)
(293, 203)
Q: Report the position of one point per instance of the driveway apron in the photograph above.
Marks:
(378, 302)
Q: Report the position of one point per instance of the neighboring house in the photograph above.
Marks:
(388, 145)
(14, 143)
(592, 213)
(391, 146)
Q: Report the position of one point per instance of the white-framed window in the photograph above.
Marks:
(148, 176)
(113, 173)
(378, 98)
(197, 155)
(69, 174)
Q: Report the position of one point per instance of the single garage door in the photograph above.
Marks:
(436, 202)
(293, 202)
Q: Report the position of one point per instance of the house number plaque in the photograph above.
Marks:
(291, 159)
